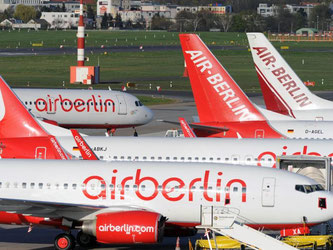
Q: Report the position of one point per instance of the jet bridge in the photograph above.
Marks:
(314, 167)
(223, 221)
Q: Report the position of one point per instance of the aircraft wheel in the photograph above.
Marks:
(64, 241)
(85, 240)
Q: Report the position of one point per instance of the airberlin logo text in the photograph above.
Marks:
(285, 79)
(93, 104)
(83, 146)
(271, 155)
(221, 86)
(128, 229)
(209, 187)
(58, 149)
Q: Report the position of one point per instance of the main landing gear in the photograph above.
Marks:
(66, 241)
(85, 240)
(110, 131)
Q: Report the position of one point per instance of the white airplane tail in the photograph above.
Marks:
(283, 91)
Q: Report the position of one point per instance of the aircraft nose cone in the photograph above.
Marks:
(148, 114)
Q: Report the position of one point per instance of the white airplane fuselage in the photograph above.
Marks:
(260, 152)
(260, 196)
(77, 108)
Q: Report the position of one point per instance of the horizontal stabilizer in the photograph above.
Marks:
(206, 128)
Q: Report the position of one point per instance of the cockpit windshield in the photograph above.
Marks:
(138, 103)
(309, 188)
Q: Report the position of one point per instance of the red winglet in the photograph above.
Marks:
(187, 130)
(15, 119)
(217, 95)
(85, 150)
(58, 150)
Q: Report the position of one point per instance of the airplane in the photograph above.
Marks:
(21, 136)
(79, 108)
(222, 104)
(283, 91)
(132, 202)
(19, 127)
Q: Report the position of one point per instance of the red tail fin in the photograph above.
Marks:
(187, 130)
(15, 119)
(217, 95)
(85, 150)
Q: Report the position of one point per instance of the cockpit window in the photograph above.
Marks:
(300, 188)
(309, 188)
(138, 103)
(318, 187)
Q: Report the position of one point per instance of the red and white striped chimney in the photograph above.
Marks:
(80, 38)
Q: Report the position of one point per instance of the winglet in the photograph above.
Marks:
(217, 95)
(282, 89)
(58, 150)
(187, 130)
(15, 119)
(85, 150)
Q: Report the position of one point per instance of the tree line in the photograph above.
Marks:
(248, 20)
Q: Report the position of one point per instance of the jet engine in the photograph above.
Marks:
(126, 227)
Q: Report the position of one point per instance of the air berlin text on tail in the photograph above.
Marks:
(93, 104)
(285, 79)
(220, 86)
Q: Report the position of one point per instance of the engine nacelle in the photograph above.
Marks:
(126, 227)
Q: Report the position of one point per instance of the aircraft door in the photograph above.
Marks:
(268, 192)
(122, 105)
(51, 106)
(40, 153)
(259, 133)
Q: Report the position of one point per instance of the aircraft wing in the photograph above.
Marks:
(56, 210)
(206, 128)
